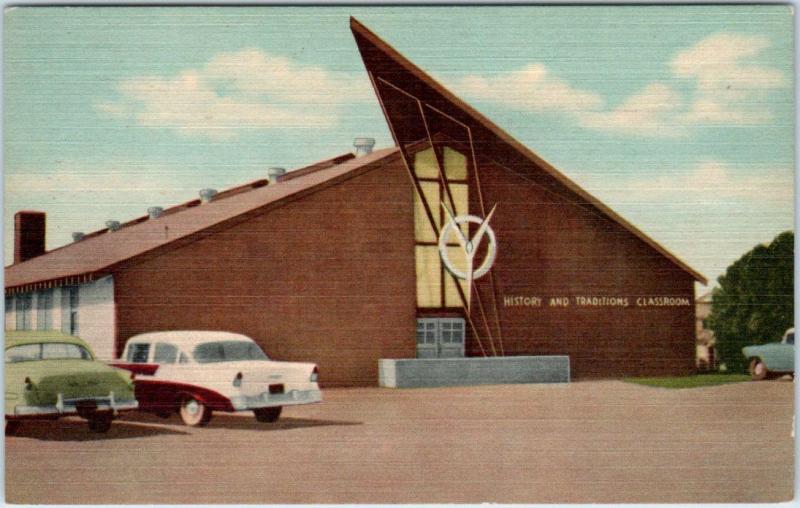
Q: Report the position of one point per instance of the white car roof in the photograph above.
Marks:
(187, 339)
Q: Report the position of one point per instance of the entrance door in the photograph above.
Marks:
(440, 337)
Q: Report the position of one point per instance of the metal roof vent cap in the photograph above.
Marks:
(363, 146)
(275, 173)
(113, 225)
(154, 212)
(77, 236)
(206, 195)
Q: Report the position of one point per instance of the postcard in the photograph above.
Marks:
(353, 254)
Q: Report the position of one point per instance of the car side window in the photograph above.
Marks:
(24, 353)
(165, 353)
(138, 353)
(790, 338)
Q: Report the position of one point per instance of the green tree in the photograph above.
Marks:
(754, 303)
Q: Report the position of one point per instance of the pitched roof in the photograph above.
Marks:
(101, 252)
(383, 61)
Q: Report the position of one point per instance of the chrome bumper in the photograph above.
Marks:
(266, 399)
(70, 406)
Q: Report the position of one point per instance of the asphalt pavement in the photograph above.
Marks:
(590, 441)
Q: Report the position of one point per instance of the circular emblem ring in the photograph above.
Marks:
(491, 248)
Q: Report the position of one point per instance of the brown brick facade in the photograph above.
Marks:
(551, 247)
(328, 278)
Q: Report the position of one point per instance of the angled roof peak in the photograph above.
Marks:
(392, 74)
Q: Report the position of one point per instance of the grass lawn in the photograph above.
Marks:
(689, 381)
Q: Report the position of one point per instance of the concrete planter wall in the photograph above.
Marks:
(418, 373)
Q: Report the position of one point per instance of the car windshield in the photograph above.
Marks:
(47, 351)
(228, 351)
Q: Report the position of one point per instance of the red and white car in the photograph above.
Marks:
(195, 373)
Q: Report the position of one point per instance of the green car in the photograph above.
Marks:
(49, 375)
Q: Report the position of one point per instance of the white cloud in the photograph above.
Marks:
(81, 196)
(248, 89)
(651, 112)
(532, 88)
(706, 182)
(726, 89)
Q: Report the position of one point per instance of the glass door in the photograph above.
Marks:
(440, 337)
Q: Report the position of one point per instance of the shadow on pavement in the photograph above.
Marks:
(284, 423)
(241, 422)
(78, 430)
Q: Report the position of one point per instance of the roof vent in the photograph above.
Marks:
(275, 173)
(364, 146)
(77, 236)
(206, 195)
(112, 225)
(155, 212)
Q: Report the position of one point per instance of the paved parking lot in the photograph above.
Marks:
(599, 441)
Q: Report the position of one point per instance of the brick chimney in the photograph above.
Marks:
(29, 229)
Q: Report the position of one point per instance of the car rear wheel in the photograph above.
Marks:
(100, 422)
(268, 414)
(758, 369)
(194, 413)
(11, 427)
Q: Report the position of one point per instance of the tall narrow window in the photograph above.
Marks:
(69, 310)
(435, 287)
(44, 310)
(24, 311)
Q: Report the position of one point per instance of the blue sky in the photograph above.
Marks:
(679, 117)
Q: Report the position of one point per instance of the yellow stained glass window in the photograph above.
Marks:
(423, 232)
(458, 259)
(460, 195)
(455, 164)
(425, 164)
(429, 282)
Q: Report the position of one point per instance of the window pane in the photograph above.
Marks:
(44, 310)
(431, 338)
(460, 194)
(66, 326)
(458, 259)
(69, 309)
(64, 352)
(24, 311)
(455, 164)
(425, 164)
(138, 353)
(228, 351)
(165, 353)
(429, 284)
(24, 353)
(423, 232)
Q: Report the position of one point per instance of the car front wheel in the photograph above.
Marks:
(194, 413)
(268, 414)
(100, 422)
(758, 369)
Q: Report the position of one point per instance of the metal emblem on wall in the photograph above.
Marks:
(470, 246)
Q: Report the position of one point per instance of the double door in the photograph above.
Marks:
(440, 337)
